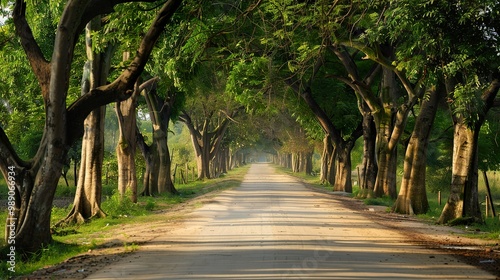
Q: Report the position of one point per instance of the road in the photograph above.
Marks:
(272, 227)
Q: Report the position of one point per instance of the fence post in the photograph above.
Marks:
(487, 207)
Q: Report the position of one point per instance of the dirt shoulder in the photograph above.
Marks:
(119, 242)
(481, 253)
(125, 239)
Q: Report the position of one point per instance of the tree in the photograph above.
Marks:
(127, 140)
(87, 202)
(412, 197)
(36, 180)
(454, 42)
(389, 104)
(158, 175)
(207, 117)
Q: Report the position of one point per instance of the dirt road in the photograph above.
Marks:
(272, 227)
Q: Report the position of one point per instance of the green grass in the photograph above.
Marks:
(489, 230)
(308, 179)
(72, 240)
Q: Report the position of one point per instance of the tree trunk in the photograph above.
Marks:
(150, 179)
(369, 164)
(390, 123)
(308, 165)
(325, 158)
(463, 200)
(385, 183)
(87, 202)
(343, 173)
(412, 198)
(159, 172)
(206, 139)
(125, 150)
(332, 166)
(295, 162)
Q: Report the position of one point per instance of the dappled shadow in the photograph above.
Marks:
(312, 259)
(271, 227)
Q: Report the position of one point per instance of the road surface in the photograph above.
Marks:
(272, 227)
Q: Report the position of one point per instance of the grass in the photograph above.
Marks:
(72, 240)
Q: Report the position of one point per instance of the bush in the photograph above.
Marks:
(118, 206)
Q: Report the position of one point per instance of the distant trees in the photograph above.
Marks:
(208, 115)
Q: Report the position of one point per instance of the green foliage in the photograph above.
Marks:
(126, 24)
(381, 201)
(247, 82)
(454, 41)
(118, 206)
(489, 142)
(439, 153)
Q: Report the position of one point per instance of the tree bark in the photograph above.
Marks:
(464, 199)
(325, 159)
(125, 150)
(160, 112)
(464, 155)
(369, 164)
(412, 197)
(87, 202)
(387, 137)
(150, 179)
(343, 173)
(206, 139)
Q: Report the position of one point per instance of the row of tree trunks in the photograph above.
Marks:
(302, 162)
(207, 137)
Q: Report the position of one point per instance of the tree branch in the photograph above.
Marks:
(40, 66)
(123, 87)
(8, 156)
(102, 7)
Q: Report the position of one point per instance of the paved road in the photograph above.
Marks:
(272, 227)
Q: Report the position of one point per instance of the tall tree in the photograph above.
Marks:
(207, 129)
(391, 102)
(158, 175)
(87, 202)
(412, 197)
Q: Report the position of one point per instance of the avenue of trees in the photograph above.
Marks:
(413, 83)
